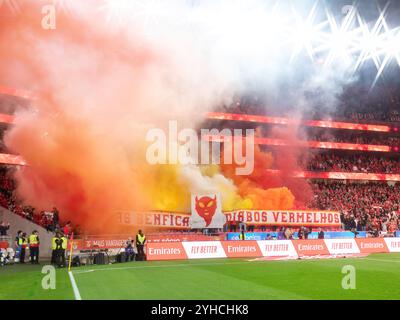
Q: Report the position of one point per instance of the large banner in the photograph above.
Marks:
(285, 218)
(207, 212)
(202, 218)
(156, 219)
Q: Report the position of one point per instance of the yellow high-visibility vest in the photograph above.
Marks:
(53, 243)
(141, 238)
(64, 243)
(22, 241)
(33, 239)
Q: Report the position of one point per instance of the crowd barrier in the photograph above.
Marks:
(269, 248)
(312, 235)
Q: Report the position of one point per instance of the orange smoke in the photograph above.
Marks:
(98, 92)
(255, 186)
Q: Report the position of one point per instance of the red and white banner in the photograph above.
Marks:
(166, 251)
(277, 248)
(92, 244)
(310, 247)
(393, 244)
(286, 218)
(372, 245)
(270, 248)
(160, 219)
(342, 246)
(156, 219)
(240, 249)
(204, 249)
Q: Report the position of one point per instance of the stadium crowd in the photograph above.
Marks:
(369, 206)
(354, 137)
(50, 220)
(351, 163)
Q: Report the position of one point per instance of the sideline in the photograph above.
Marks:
(168, 266)
(252, 261)
(382, 260)
(74, 286)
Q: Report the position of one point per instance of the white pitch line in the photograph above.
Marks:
(212, 264)
(74, 286)
(383, 260)
(166, 266)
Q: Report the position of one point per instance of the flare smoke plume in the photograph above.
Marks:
(100, 85)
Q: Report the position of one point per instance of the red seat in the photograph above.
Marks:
(4, 245)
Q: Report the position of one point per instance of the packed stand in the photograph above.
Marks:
(354, 137)
(351, 163)
(50, 220)
(372, 207)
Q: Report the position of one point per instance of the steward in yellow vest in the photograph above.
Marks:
(61, 251)
(140, 242)
(54, 248)
(23, 243)
(34, 243)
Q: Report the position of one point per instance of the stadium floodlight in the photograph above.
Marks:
(305, 33)
(248, 29)
(342, 37)
(391, 51)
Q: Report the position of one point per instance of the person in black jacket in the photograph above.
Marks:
(321, 234)
(129, 252)
(3, 228)
(300, 233)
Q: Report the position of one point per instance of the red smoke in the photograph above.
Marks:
(77, 136)
(270, 190)
(98, 92)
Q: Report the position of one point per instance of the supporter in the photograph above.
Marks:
(56, 216)
(289, 233)
(67, 229)
(242, 226)
(300, 233)
(281, 233)
(18, 244)
(3, 228)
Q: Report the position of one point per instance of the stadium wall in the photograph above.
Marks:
(270, 248)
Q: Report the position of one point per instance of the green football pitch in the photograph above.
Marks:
(377, 276)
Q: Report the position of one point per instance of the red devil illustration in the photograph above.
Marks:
(206, 207)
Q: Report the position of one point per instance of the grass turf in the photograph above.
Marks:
(377, 277)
